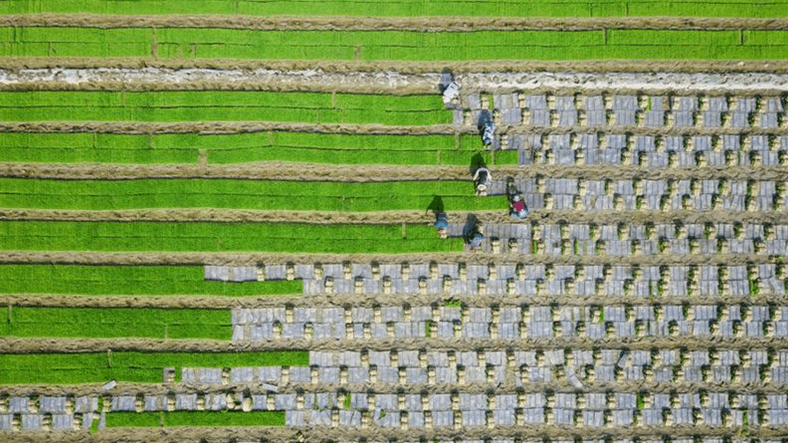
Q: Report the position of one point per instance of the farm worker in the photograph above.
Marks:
(486, 127)
(483, 179)
(475, 239)
(518, 208)
(442, 224)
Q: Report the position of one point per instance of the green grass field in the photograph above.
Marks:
(409, 8)
(136, 367)
(201, 418)
(129, 280)
(169, 106)
(247, 147)
(173, 43)
(117, 322)
(209, 236)
(240, 194)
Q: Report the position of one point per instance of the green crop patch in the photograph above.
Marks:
(129, 280)
(170, 106)
(93, 147)
(200, 43)
(409, 8)
(213, 236)
(241, 194)
(328, 148)
(134, 367)
(194, 418)
(117, 322)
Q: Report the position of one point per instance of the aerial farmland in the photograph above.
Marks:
(261, 221)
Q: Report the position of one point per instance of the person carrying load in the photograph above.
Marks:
(517, 206)
(482, 179)
(442, 224)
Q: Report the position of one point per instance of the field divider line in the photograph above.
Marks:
(537, 216)
(354, 66)
(253, 258)
(377, 433)
(412, 24)
(507, 387)
(235, 127)
(391, 83)
(373, 300)
(301, 171)
(15, 345)
(215, 127)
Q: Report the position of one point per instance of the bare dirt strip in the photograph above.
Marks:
(416, 24)
(374, 301)
(206, 127)
(294, 171)
(253, 258)
(322, 433)
(537, 216)
(219, 127)
(391, 83)
(605, 66)
(13, 345)
(134, 389)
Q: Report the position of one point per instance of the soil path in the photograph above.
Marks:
(295, 171)
(416, 24)
(536, 217)
(252, 258)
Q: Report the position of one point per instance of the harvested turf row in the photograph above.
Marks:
(589, 386)
(316, 433)
(212, 127)
(14, 345)
(370, 301)
(244, 259)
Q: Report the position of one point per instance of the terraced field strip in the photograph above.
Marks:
(206, 236)
(242, 194)
(168, 43)
(136, 367)
(129, 280)
(246, 147)
(117, 322)
(411, 8)
(170, 106)
(201, 418)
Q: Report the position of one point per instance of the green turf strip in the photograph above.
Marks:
(366, 46)
(129, 280)
(217, 237)
(246, 147)
(409, 8)
(117, 322)
(242, 194)
(197, 418)
(169, 106)
(138, 367)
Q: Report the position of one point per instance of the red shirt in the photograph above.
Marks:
(518, 206)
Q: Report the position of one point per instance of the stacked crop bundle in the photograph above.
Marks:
(216, 221)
